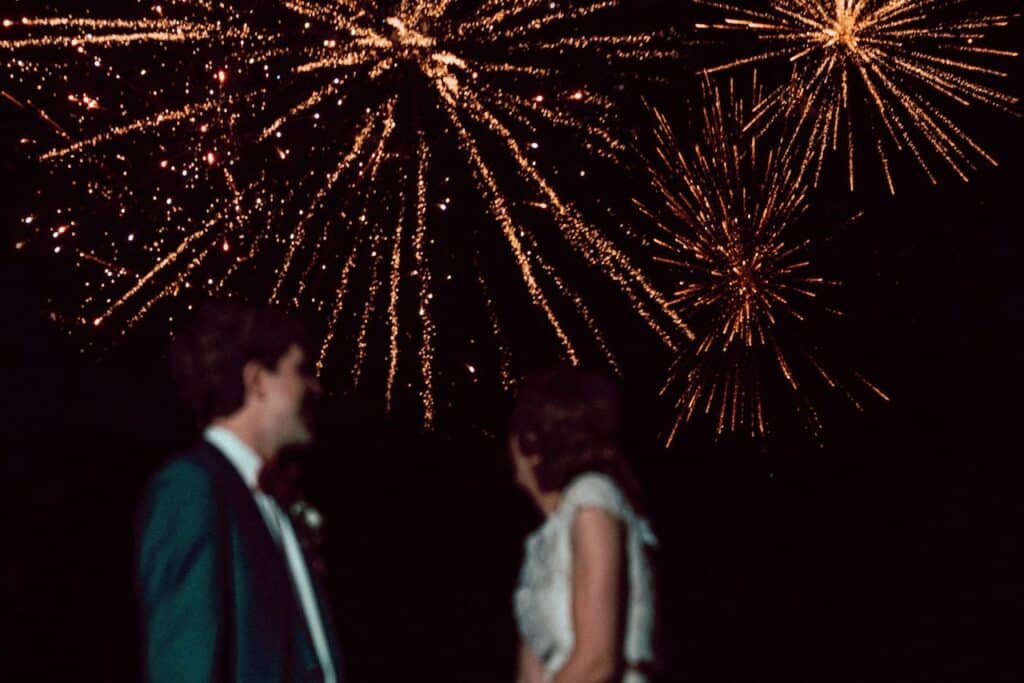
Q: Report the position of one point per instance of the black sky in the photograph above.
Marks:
(889, 552)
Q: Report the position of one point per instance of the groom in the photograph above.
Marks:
(227, 593)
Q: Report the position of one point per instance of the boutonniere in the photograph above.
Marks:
(281, 480)
(309, 528)
(308, 523)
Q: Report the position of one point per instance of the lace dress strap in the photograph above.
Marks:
(593, 489)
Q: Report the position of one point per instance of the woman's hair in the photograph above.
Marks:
(571, 419)
(207, 359)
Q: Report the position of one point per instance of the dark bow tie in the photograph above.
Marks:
(280, 480)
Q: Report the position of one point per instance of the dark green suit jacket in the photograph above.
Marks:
(217, 600)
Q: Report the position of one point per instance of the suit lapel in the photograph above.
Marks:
(250, 520)
(252, 528)
(327, 617)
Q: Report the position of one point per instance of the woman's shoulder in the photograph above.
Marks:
(595, 489)
(599, 490)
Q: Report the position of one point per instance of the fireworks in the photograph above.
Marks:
(892, 68)
(745, 284)
(297, 140)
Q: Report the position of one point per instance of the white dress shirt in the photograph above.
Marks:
(248, 465)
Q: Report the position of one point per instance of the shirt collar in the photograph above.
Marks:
(237, 452)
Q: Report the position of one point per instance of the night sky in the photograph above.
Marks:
(886, 550)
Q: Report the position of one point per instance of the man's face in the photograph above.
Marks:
(290, 390)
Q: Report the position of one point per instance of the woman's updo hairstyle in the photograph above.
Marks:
(571, 418)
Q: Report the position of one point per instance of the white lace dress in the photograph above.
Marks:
(544, 594)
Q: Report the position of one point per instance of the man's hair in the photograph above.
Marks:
(207, 359)
(571, 418)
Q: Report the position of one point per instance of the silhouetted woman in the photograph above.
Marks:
(584, 604)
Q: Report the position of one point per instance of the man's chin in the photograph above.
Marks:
(300, 436)
(303, 438)
(306, 435)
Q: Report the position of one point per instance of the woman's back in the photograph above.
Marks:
(543, 599)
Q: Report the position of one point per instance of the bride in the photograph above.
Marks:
(584, 603)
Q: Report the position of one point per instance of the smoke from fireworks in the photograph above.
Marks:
(746, 286)
(894, 69)
(297, 139)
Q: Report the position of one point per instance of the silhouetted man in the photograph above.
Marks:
(225, 588)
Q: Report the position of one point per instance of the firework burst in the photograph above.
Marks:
(895, 68)
(295, 146)
(746, 285)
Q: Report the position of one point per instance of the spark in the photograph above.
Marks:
(894, 69)
(303, 160)
(727, 217)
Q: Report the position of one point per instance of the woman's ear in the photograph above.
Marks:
(515, 446)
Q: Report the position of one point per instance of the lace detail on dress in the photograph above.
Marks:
(601, 491)
(594, 490)
(543, 596)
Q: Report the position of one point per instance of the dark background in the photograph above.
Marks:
(887, 552)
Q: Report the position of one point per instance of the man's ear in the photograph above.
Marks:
(252, 379)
